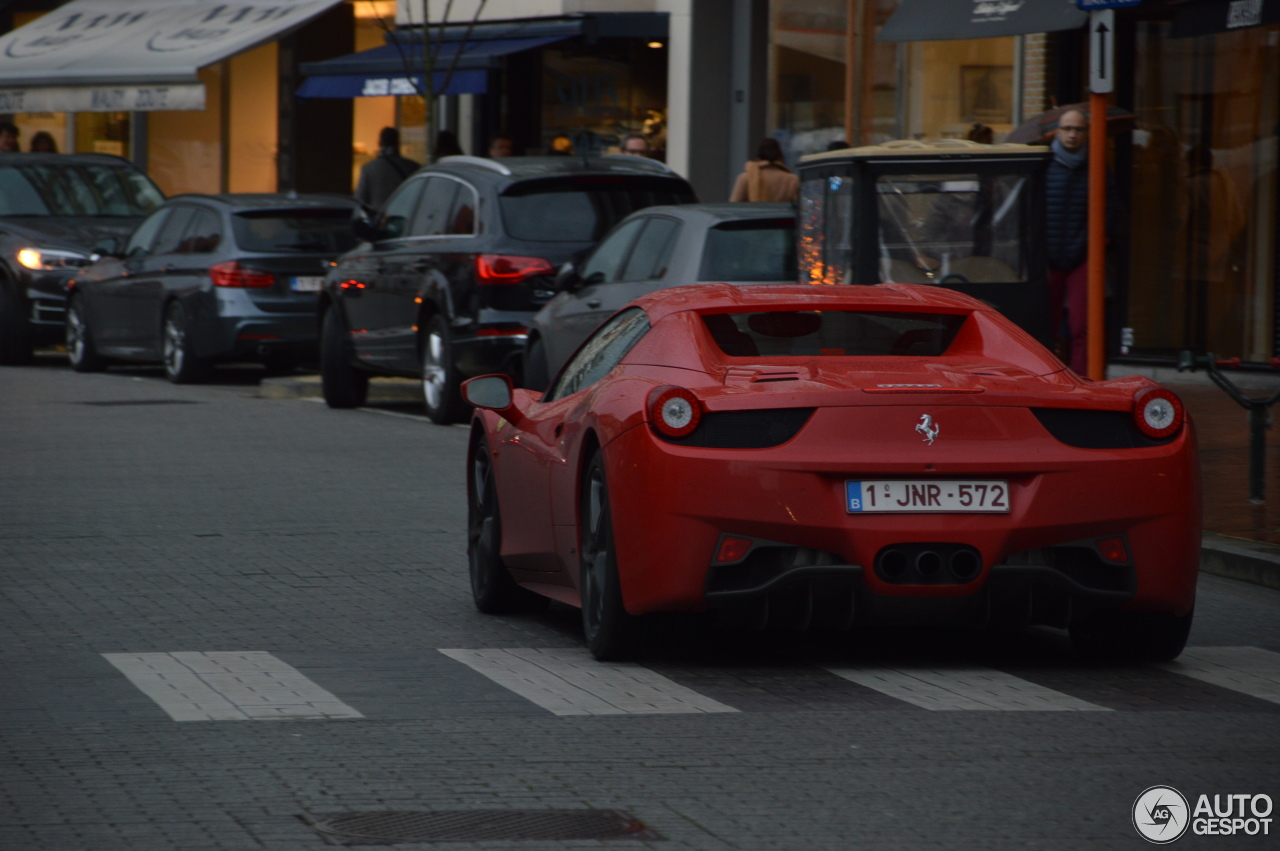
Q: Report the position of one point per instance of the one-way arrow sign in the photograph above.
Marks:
(1102, 46)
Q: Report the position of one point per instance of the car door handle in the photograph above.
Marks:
(422, 265)
(593, 302)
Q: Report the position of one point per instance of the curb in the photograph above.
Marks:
(1236, 558)
(308, 387)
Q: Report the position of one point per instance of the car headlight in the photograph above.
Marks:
(48, 259)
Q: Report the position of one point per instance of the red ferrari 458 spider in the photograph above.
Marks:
(832, 456)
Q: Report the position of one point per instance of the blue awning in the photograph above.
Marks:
(387, 70)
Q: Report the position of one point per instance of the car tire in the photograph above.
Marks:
(492, 588)
(15, 337)
(609, 629)
(81, 351)
(181, 364)
(441, 393)
(344, 384)
(1109, 636)
(537, 375)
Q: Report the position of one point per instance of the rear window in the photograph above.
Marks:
(581, 209)
(833, 333)
(294, 231)
(760, 250)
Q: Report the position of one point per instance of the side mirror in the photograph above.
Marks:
(567, 278)
(365, 229)
(491, 392)
(108, 246)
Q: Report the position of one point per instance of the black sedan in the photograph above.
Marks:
(208, 278)
(652, 249)
(54, 208)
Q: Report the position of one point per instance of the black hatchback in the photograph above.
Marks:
(207, 278)
(460, 258)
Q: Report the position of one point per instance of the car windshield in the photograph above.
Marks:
(76, 189)
(294, 231)
(581, 209)
(756, 250)
(833, 333)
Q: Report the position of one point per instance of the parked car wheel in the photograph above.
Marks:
(536, 374)
(181, 364)
(492, 588)
(81, 351)
(609, 629)
(440, 380)
(15, 340)
(345, 386)
(1111, 636)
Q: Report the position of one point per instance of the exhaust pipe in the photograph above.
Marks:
(965, 565)
(928, 563)
(893, 563)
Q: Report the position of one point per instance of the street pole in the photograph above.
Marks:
(1101, 82)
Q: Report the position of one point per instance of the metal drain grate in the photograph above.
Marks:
(389, 828)
(140, 402)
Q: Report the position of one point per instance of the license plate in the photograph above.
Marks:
(925, 495)
(307, 283)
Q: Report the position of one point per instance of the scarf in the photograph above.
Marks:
(1066, 158)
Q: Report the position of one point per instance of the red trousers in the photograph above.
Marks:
(1069, 291)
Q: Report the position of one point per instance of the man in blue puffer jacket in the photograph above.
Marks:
(1067, 198)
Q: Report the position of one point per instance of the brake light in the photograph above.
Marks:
(1157, 412)
(1113, 550)
(674, 411)
(232, 274)
(732, 548)
(500, 269)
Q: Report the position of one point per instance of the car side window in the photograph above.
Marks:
(602, 351)
(648, 260)
(395, 216)
(170, 236)
(204, 234)
(432, 215)
(462, 221)
(140, 242)
(605, 263)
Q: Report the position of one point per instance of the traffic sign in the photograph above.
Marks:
(1094, 5)
(1102, 48)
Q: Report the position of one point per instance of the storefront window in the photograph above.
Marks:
(594, 95)
(1204, 199)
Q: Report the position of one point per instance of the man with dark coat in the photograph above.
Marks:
(381, 175)
(1067, 199)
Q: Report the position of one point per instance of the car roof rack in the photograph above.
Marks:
(465, 159)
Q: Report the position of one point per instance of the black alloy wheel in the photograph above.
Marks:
(492, 588)
(181, 364)
(537, 376)
(441, 393)
(1112, 637)
(610, 630)
(345, 385)
(81, 351)
(15, 337)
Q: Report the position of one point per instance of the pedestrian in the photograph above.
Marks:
(42, 143)
(501, 146)
(767, 178)
(8, 138)
(1067, 217)
(446, 145)
(636, 145)
(381, 175)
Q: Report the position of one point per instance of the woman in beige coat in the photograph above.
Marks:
(767, 178)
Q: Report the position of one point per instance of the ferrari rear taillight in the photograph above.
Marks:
(501, 269)
(674, 411)
(1157, 412)
(232, 274)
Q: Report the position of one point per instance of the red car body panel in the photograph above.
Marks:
(672, 503)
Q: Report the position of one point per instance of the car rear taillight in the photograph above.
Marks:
(503, 269)
(232, 274)
(674, 411)
(1157, 412)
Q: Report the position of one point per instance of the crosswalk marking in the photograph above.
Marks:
(567, 681)
(228, 686)
(965, 689)
(1248, 670)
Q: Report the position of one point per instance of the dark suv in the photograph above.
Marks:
(460, 258)
(54, 209)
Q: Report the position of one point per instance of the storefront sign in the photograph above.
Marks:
(1210, 18)
(1092, 5)
(102, 98)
